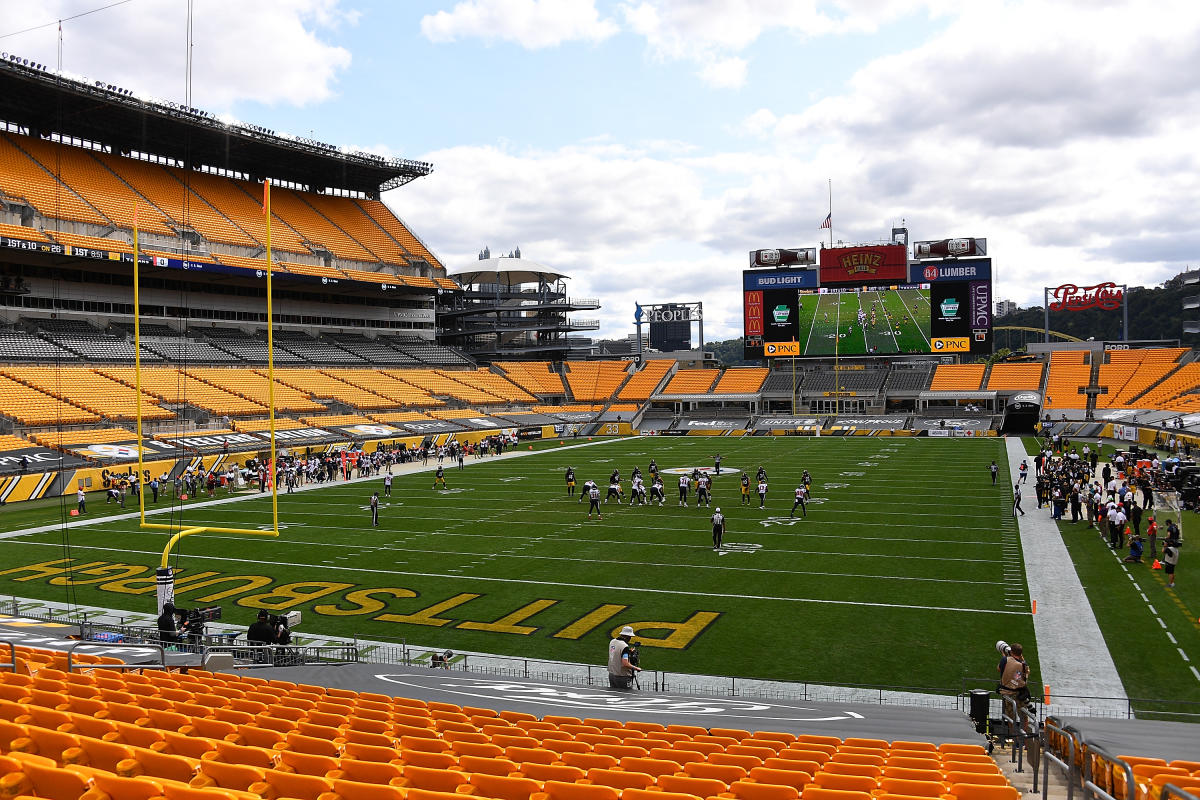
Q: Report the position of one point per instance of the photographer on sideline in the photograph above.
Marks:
(168, 629)
(1014, 677)
(621, 661)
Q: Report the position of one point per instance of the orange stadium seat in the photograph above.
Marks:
(83, 171)
(294, 209)
(22, 176)
(89, 390)
(646, 380)
(692, 381)
(383, 216)
(1015, 377)
(741, 380)
(535, 377)
(595, 380)
(1066, 378)
(189, 738)
(957, 377)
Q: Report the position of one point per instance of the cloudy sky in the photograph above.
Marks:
(644, 146)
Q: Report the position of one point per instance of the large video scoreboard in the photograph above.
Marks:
(869, 300)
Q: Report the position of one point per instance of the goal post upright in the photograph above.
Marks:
(165, 576)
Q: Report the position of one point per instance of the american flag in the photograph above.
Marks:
(828, 223)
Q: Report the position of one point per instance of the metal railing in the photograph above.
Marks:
(72, 663)
(1102, 785)
(1170, 790)
(204, 645)
(11, 665)
(1058, 744)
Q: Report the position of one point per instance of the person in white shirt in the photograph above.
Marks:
(801, 501)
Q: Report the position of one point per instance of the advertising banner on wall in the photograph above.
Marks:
(864, 264)
(961, 317)
(963, 269)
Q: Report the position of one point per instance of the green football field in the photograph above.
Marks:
(824, 318)
(905, 572)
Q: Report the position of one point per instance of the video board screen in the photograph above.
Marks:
(923, 318)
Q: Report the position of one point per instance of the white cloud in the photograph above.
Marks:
(724, 73)
(1058, 140)
(533, 24)
(274, 52)
(710, 33)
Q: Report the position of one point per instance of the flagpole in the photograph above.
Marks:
(830, 211)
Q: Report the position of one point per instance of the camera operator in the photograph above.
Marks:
(169, 622)
(1013, 688)
(622, 660)
(261, 631)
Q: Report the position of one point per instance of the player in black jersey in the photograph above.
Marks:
(571, 481)
(656, 491)
(439, 477)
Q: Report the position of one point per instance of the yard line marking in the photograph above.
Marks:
(1160, 622)
(606, 587)
(1171, 636)
(398, 546)
(663, 528)
(1183, 654)
(1195, 672)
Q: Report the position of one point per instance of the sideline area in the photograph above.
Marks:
(1072, 656)
(407, 468)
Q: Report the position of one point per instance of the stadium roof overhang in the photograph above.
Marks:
(108, 115)
(492, 270)
(975, 395)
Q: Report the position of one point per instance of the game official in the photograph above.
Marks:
(718, 525)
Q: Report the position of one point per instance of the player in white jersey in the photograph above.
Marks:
(656, 491)
(801, 501)
(683, 489)
(588, 485)
(637, 492)
(703, 491)
(594, 501)
(762, 494)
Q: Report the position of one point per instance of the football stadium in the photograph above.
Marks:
(291, 508)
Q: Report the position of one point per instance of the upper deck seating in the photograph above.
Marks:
(595, 380)
(1015, 377)
(741, 380)
(535, 377)
(643, 382)
(957, 377)
(691, 381)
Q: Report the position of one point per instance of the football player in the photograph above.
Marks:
(614, 487)
(656, 491)
(683, 490)
(439, 477)
(594, 501)
(745, 489)
(571, 481)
